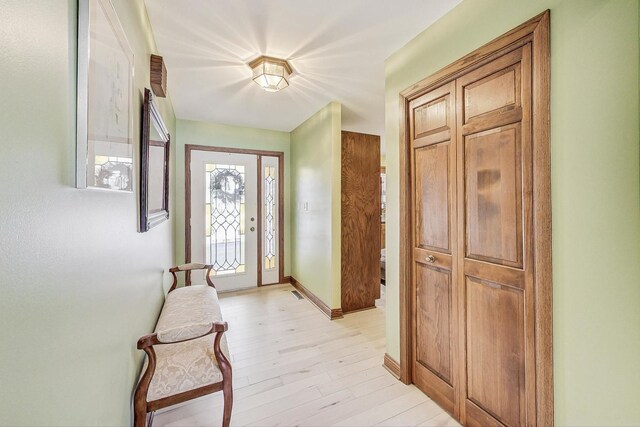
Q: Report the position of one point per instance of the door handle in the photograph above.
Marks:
(252, 229)
(430, 258)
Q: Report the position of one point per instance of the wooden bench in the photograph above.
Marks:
(187, 355)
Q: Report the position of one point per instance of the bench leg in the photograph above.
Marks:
(140, 415)
(227, 390)
(227, 380)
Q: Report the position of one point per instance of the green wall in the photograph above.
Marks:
(315, 169)
(595, 188)
(79, 284)
(218, 135)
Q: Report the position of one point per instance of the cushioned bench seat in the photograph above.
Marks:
(187, 312)
(187, 355)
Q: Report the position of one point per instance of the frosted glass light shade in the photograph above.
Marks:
(271, 74)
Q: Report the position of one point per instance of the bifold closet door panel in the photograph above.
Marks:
(433, 157)
(494, 186)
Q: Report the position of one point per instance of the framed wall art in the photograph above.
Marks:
(105, 100)
(154, 166)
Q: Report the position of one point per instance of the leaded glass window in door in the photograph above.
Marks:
(225, 218)
(270, 218)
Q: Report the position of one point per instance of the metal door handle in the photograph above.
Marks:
(431, 258)
(252, 229)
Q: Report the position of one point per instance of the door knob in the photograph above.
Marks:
(252, 229)
(431, 258)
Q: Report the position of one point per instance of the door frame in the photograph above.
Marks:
(536, 32)
(259, 154)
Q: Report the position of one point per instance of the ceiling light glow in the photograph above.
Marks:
(271, 74)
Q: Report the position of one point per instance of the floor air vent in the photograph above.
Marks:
(297, 294)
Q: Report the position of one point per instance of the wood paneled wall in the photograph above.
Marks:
(360, 221)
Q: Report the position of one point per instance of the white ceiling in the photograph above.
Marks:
(337, 49)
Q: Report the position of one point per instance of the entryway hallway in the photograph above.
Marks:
(294, 367)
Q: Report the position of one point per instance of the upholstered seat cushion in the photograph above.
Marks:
(191, 364)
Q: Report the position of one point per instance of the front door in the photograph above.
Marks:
(224, 217)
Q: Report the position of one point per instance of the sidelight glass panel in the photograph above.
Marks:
(270, 220)
(225, 216)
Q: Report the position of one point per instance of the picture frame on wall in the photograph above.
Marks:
(154, 165)
(105, 151)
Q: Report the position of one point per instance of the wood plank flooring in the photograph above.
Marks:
(294, 367)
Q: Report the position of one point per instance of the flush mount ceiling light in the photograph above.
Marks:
(272, 74)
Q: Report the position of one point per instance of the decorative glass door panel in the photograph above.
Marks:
(269, 219)
(224, 217)
(270, 235)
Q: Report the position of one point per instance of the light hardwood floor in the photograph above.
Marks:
(294, 367)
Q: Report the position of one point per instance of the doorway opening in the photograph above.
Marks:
(234, 215)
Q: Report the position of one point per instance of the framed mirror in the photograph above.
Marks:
(154, 166)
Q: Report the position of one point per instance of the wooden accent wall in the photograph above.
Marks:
(383, 226)
(360, 221)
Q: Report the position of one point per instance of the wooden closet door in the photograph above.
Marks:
(494, 169)
(433, 218)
